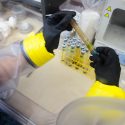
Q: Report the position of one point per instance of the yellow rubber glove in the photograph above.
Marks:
(107, 70)
(34, 50)
(102, 90)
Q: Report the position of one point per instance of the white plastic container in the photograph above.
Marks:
(96, 5)
(89, 20)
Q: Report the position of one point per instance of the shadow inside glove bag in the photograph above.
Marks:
(5, 119)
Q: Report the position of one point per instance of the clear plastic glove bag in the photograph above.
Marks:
(12, 64)
(93, 111)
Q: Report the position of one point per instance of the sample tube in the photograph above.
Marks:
(81, 60)
(82, 56)
(77, 51)
(86, 62)
(77, 55)
(63, 52)
(72, 51)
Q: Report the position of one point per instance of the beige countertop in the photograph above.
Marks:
(54, 85)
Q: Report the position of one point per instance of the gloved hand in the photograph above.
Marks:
(54, 25)
(107, 66)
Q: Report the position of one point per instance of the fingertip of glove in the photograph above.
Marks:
(100, 49)
(69, 28)
(92, 64)
(91, 58)
(105, 50)
(73, 13)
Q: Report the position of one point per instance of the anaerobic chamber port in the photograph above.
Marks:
(115, 32)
